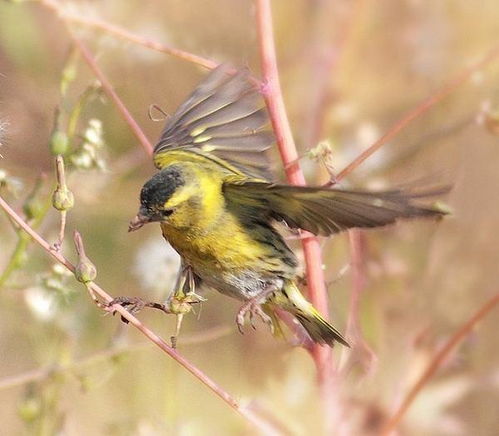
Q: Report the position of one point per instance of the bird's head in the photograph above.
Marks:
(159, 197)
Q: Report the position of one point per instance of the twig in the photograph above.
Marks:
(203, 378)
(361, 352)
(100, 356)
(327, 52)
(289, 155)
(108, 89)
(126, 35)
(19, 254)
(436, 362)
(62, 199)
(419, 110)
(15, 259)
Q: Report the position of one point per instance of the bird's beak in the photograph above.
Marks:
(138, 222)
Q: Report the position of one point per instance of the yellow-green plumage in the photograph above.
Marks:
(217, 208)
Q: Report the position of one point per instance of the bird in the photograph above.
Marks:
(219, 207)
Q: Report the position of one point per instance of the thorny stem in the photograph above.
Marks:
(419, 110)
(245, 412)
(289, 155)
(437, 361)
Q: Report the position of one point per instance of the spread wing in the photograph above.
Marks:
(327, 211)
(224, 117)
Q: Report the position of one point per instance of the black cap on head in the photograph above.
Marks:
(160, 188)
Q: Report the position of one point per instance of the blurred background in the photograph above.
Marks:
(349, 70)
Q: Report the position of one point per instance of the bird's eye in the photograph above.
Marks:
(166, 212)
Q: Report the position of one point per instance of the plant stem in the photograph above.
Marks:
(108, 89)
(289, 155)
(437, 361)
(112, 29)
(102, 356)
(16, 258)
(421, 109)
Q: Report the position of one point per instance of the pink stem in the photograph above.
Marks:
(289, 155)
(419, 110)
(112, 29)
(437, 361)
(108, 88)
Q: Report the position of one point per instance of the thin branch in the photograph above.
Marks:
(19, 254)
(419, 110)
(124, 34)
(361, 352)
(102, 356)
(108, 89)
(62, 199)
(203, 378)
(437, 361)
(289, 155)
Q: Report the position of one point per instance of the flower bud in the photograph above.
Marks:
(85, 271)
(62, 198)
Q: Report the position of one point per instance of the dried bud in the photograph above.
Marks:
(179, 306)
(62, 198)
(59, 142)
(323, 153)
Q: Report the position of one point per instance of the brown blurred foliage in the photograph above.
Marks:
(349, 70)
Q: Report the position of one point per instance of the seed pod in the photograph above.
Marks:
(62, 199)
(85, 271)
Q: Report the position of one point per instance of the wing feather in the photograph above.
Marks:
(326, 211)
(224, 117)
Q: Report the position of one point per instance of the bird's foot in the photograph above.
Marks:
(133, 305)
(253, 307)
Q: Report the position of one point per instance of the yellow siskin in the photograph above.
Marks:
(217, 208)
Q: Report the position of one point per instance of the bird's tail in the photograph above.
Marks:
(321, 332)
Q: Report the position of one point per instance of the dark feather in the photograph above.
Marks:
(225, 117)
(326, 211)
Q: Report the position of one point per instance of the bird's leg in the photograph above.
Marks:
(182, 298)
(179, 302)
(185, 287)
(254, 307)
